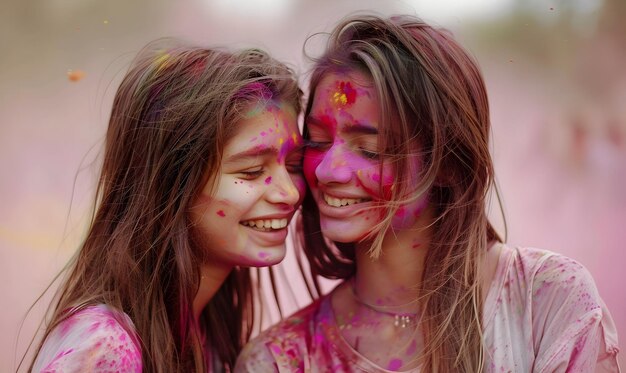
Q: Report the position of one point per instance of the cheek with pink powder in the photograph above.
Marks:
(381, 187)
(312, 159)
(300, 185)
(368, 177)
(408, 214)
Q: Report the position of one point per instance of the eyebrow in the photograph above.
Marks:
(252, 153)
(361, 128)
(358, 127)
(259, 152)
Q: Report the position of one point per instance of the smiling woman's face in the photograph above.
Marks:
(243, 219)
(342, 163)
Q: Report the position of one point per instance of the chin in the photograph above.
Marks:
(344, 232)
(268, 256)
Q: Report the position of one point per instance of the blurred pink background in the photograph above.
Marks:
(554, 69)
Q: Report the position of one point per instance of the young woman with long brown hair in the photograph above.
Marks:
(399, 169)
(200, 178)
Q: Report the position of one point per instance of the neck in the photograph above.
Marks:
(210, 281)
(393, 279)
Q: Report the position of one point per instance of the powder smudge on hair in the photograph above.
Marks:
(262, 92)
(161, 61)
(198, 68)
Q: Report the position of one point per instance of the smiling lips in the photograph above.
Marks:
(266, 225)
(340, 202)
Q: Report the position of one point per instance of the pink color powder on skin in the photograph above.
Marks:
(394, 364)
(268, 180)
(345, 94)
(221, 213)
(411, 350)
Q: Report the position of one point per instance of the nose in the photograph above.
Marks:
(282, 188)
(334, 166)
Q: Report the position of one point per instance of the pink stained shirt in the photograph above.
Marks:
(95, 339)
(543, 313)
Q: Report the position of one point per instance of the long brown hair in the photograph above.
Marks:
(432, 98)
(173, 113)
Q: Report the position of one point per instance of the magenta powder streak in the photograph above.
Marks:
(394, 364)
(221, 213)
(268, 180)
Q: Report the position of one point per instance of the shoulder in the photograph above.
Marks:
(545, 278)
(571, 326)
(96, 338)
(551, 276)
(282, 345)
(542, 271)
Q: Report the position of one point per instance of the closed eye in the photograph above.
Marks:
(369, 154)
(293, 163)
(319, 145)
(294, 167)
(251, 174)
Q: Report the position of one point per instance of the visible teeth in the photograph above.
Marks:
(266, 224)
(336, 202)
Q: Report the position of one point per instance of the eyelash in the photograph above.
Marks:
(293, 168)
(252, 174)
(316, 144)
(322, 145)
(369, 154)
